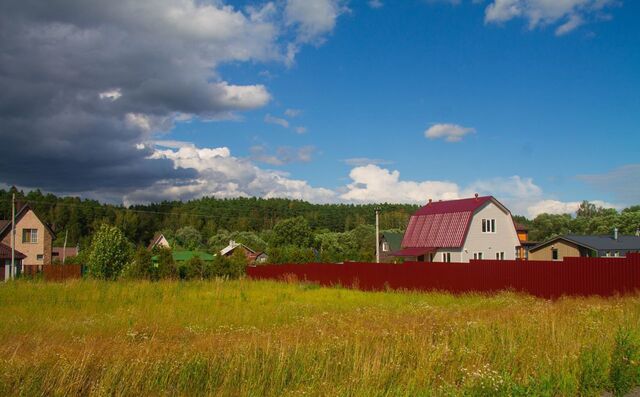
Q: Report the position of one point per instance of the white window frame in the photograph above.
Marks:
(488, 226)
(33, 236)
(385, 246)
(500, 256)
(446, 257)
(477, 256)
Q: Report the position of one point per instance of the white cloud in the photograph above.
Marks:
(570, 13)
(371, 184)
(220, 174)
(301, 130)
(375, 3)
(562, 207)
(292, 113)
(314, 18)
(450, 132)
(111, 95)
(276, 120)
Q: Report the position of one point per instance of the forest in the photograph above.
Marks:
(339, 231)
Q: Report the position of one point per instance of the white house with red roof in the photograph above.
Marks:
(460, 230)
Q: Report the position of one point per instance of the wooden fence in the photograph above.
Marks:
(546, 279)
(53, 272)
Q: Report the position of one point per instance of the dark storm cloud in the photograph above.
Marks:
(84, 84)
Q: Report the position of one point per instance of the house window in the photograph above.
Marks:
(39, 257)
(554, 254)
(385, 246)
(30, 236)
(608, 253)
(477, 255)
(488, 226)
(617, 253)
(500, 256)
(446, 256)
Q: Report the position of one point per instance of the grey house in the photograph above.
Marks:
(586, 246)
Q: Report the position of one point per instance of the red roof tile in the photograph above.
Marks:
(414, 251)
(442, 224)
(449, 206)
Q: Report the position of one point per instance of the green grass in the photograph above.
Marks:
(273, 339)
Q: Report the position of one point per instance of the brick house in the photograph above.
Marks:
(34, 238)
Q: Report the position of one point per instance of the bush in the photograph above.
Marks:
(141, 267)
(109, 254)
(291, 254)
(166, 267)
(193, 268)
(594, 371)
(229, 267)
(625, 362)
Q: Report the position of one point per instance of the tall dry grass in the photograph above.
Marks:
(274, 339)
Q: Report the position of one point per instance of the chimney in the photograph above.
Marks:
(615, 233)
(476, 196)
(429, 202)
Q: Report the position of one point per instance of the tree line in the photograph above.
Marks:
(285, 229)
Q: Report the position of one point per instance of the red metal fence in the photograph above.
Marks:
(53, 272)
(547, 279)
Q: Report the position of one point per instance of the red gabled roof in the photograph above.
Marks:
(442, 224)
(450, 206)
(414, 251)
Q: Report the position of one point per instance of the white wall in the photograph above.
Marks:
(505, 238)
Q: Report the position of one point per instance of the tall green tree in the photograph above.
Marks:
(110, 253)
(293, 231)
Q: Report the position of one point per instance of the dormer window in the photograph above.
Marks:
(385, 246)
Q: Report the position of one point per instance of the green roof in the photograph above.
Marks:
(394, 240)
(183, 256)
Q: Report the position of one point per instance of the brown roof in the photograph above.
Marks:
(5, 252)
(6, 226)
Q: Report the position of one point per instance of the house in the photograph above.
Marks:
(61, 254)
(252, 256)
(158, 241)
(389, 243)
(557, 248)
(525, 244)
(460, 230)
(5, 261)
(33, 237)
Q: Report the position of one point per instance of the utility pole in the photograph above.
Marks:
(377, 235)
(12, 268)
(64, 248)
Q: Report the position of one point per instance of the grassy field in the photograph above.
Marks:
(264, 338)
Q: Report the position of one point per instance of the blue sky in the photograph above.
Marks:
(535, 102)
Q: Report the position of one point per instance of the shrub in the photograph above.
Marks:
(166, 267)
(193, 268)
(110, 252)
(594, 371)
(141, 267)
(625, 362)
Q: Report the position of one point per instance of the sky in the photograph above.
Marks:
(536, 102)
